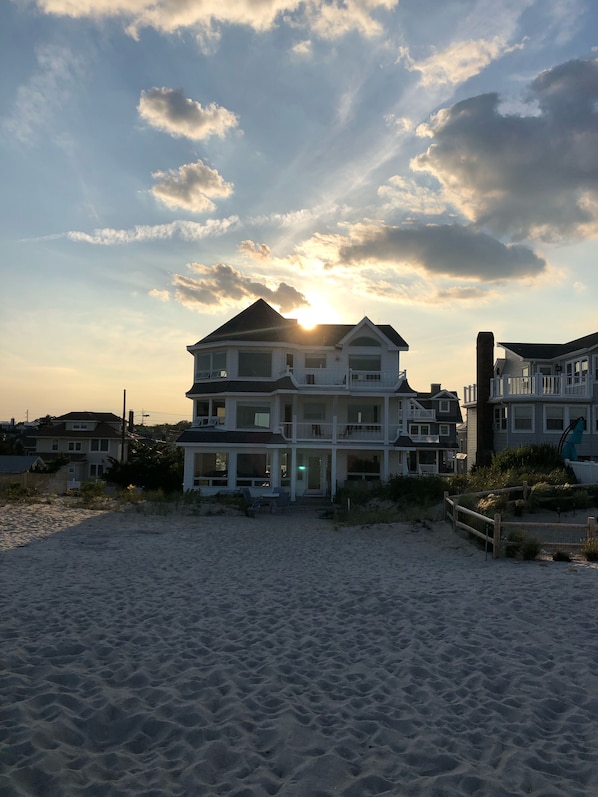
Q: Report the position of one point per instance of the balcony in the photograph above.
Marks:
(338, 433)
(346, 379)
(540, 386)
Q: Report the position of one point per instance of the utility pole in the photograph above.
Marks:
(122, 437)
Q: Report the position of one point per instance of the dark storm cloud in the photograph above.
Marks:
(449, 250)
(520, 176)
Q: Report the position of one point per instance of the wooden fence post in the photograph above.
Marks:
(455, 512)
(591, 529)
(525, 491)
(496, 537)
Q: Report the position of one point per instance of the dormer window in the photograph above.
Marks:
(444, 405)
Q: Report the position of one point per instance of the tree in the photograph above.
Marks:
(155, 466)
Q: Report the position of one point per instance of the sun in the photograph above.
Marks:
(316, 313)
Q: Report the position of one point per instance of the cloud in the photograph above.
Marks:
(522, 176)
(163, 296)
(187, 230)
(169, 110)
(401, 193)
(255, 251)
(458, 62)
(211, 287)
(43, 95)
(328, 18)
(448, 250)
(190, 187)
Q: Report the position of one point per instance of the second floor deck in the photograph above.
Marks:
(538, 386)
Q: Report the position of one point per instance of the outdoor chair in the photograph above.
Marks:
(251, 504)
(284, 498)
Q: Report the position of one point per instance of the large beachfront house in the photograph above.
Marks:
(531, 394)
(87, 439)
(309, 409)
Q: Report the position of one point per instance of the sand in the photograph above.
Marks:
(277, 655)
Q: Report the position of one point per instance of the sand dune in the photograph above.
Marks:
(278, 656)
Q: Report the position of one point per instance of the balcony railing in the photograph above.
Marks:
(539, 385)
(536, 386)
(347, 379)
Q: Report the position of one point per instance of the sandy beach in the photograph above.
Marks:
(277, 655)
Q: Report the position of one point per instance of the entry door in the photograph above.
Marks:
(316, 474)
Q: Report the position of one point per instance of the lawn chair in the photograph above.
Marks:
(251, 504)
(284, 498)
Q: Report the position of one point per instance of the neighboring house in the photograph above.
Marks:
(531, 394)
(17, 464)
(88, 439)
(309, 409)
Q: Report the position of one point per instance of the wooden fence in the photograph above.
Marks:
(491, 529)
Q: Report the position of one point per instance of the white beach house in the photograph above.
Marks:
(308, 409)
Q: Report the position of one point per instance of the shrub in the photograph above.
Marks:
(489, 505)
(411, 490)
(15, 492)
(92, 493)
(590, 551)
(514, 541)
(561, 556)
(530, 548)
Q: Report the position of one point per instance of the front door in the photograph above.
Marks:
(316, 474)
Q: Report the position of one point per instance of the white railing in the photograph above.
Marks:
(425, 438)
(337, 432)
(420, 414)
(206, 420)
(539, 385)
(346, 378)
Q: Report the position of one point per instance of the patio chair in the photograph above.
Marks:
(284, 498)
(251, 504)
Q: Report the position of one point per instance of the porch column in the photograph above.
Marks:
(332, 472)
(386, 425)
(385, 465)
(231, 482)
(293, 484)
(275, 468)
(188, 468)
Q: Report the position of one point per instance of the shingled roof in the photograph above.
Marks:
(261, 323)
(551, 351)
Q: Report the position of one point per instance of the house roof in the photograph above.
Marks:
(217, 437)
(240, 386)
(261, 323)
(106, 417)
(551, 351)
(60, 430)
(18, 463)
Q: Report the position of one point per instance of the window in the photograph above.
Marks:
(210, 469)
(251, 416)
(364, 362)
(211, 365)
(444, 430)
(500, 419)
(315, 361)
(74, 446)
(209, 412)
(96, 471)
(54, 445)
(554, 418)
(523, 419)
(557, 417)
(577, 371)
(419, 429)
(255, 363)
(444, 405)
(290, 361)
(252, 469)
(80, 426)
(365, 341)
(314, 411)
(99, 445)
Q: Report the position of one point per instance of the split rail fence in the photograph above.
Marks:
(492, 530)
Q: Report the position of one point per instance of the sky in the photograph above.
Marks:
(430, 164)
